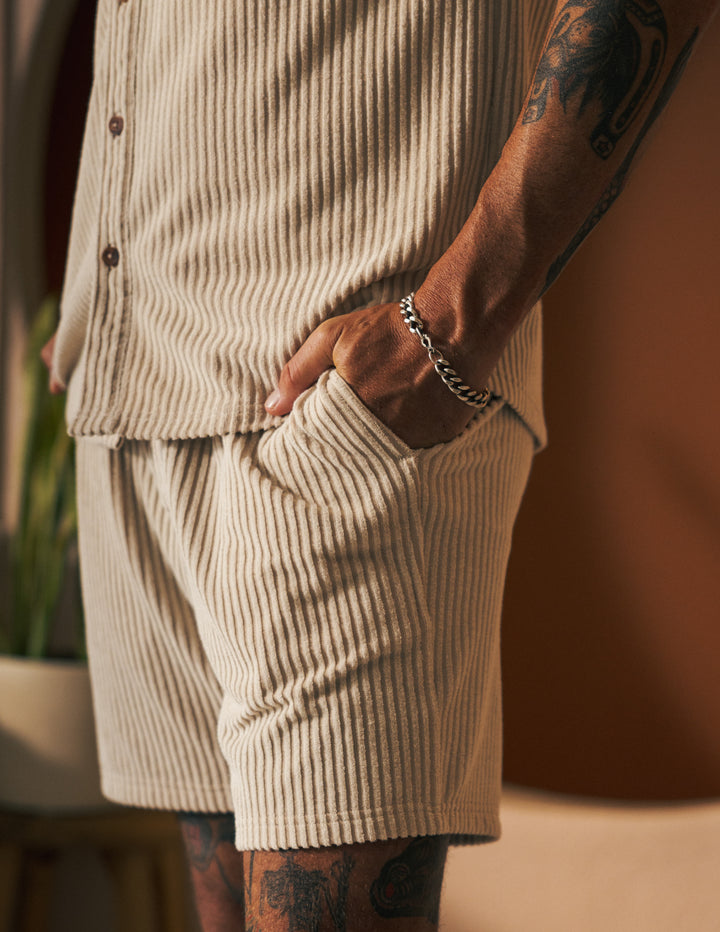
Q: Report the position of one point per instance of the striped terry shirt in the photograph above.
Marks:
(249, 169)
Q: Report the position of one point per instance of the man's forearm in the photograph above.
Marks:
(607, 70)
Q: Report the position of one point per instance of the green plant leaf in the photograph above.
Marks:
(47, 525)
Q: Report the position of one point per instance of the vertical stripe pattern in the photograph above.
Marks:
(302, 624)
(279, 163)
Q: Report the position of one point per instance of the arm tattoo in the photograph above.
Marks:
(601, 53)
(300, 894)
(614, 189)
(409, 885)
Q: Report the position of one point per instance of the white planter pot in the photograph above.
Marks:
(48, 754)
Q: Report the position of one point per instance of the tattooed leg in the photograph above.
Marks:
(216, 870)
(409, 884)
(388, 886)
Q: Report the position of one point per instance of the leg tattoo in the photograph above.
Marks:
(300, 894)
(203, 837)
(409, 884)
(364, 887)
(216, 870)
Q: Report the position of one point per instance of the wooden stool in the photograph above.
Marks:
(142, 851)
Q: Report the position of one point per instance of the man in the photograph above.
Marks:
(300, 335)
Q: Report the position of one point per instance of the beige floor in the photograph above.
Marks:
(573, 866)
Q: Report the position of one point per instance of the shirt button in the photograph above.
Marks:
(116, 125)
(110, 256)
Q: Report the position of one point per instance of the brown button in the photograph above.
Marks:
(116, 125)
(110, 256)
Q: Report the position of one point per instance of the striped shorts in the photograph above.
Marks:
(301, 625)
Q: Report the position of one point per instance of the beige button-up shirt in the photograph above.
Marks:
(249, 169)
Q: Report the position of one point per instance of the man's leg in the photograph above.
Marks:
(216, 870)
(385, 886)
(388, 886)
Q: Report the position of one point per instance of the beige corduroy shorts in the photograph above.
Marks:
(301, 625)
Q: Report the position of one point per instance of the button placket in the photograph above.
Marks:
(120, 63)
(108, 334)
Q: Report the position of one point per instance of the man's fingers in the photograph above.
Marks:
(46, 354)
(303, 369)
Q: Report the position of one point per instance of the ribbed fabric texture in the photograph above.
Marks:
(278, 163)
(327, 596)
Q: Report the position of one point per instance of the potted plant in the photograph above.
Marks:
(48, 758)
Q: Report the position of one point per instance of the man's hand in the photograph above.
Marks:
(46, 354)
(386, 366)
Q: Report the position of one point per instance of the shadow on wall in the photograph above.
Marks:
(611, 633)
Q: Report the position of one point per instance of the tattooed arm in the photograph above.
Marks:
(607, 69)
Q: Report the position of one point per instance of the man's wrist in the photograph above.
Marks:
(480, 290)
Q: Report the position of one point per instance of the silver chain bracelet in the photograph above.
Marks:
(442, 366)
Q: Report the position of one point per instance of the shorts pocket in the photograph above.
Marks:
(330, 436)
(342, 396)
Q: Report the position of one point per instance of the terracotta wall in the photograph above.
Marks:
(612, 621)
